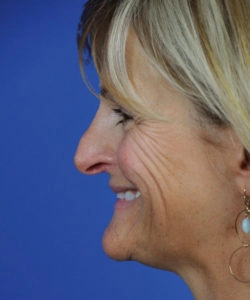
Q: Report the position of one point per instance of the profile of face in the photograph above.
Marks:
(173, 179)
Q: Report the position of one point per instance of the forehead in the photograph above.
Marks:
(153, 89)
(152, 95)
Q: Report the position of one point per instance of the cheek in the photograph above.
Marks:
(161, 165)
(153, 158)
(148, 165)
(145, 163)
(136, 159)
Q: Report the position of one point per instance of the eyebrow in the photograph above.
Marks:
(106, 94)
(103, 91)
(109, 97)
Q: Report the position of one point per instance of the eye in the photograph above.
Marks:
(125, 117)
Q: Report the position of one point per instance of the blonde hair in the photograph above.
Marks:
(201, 47)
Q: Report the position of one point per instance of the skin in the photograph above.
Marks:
(190, 174)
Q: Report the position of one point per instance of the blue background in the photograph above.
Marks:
(52, 217)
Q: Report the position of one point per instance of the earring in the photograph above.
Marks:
(237, 260)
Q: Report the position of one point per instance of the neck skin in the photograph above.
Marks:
(214, 281)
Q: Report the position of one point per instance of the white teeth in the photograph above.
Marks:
(120, 195)
(129, 195)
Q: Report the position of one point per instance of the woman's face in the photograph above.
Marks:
(168, 177)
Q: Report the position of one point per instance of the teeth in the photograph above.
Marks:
(120, 195)
(129, 195)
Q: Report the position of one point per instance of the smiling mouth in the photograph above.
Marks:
(129, 195)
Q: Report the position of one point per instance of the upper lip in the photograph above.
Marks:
(120, 189)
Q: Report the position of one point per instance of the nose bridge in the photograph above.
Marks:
(96, 151)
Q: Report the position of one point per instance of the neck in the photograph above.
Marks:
(214, 281)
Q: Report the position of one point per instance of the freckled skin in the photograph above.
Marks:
(187, 207)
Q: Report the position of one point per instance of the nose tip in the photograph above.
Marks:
(96, 151)
(93, 155)
(91, 163)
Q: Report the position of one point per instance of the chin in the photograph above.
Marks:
(123, 233)
(114, 246)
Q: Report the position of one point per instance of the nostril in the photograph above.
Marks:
(96, 168)
(94, 163)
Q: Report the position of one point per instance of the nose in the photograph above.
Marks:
(96, 150)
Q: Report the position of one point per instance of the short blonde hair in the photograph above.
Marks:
(201, 47)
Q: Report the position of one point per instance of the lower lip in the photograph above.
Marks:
(122, 203)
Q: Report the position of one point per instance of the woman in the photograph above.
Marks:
(172, 131)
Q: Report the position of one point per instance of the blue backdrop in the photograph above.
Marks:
(52, 217)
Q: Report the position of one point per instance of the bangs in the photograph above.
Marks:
(200, 48)
(102, 38)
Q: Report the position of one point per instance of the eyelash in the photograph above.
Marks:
(125, 117)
